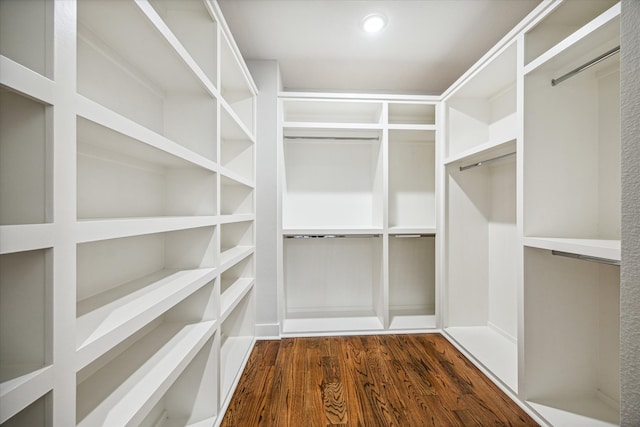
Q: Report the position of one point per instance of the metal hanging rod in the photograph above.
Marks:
(585, 66)
(586, 258)
(329, 236)
(484, 162)
(336, 138)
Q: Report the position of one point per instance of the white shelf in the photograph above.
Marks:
(229, 219)
(236, 87)
(234, 255)
(602, 32)
(108, 318)
(111, 124)
(234, 178)
(118, 394)
(412, 230)
(405, 321)
(411, 115)
(236, 198)
(329, 231)
(485, 151)
(493, 350)
(102, 229)
(608, 249)
(28, 237)
(142, 75)
(232, 296)
(22, 79)
(567, 412)
(18, 393)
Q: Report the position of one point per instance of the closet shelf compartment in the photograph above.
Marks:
(109, 318)
(230, 219)
(113, 122)
(417, 115)
(607, 249)
(603, 32)
(230, 113)
(330, 322)
(230, 257)
(18, 393)
(237, 338)
(28, 237)
(233, 295)
(142, 76)
(401, 231)
(237, 178)
(158, 360)
(483, 152)
(236, 86)
(23, 80)
(331, 231)
(26, 34)
(25, 160)
(103, 229)
(346, 113)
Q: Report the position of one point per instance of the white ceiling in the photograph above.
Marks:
(425, 47)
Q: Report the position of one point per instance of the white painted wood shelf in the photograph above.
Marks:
(127, 210)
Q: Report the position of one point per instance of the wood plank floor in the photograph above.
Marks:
(385, 380)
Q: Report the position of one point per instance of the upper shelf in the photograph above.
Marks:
(331, 111)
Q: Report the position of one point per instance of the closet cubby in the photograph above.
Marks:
(333, 179)
(191, 399)
(24, 158)
(236, 242)
(235, 197)
(236, 340)
(120, 177)
(235, 282)
(482, 112)
(405, 113)
(328, 112)
(141, 76)
(114, 389)
(37, 414)
(333, 284)
(25, 315)
(237, 150)
(412, 198)
(572, 330)
(482, 263)
(119, 290)
(412, 288)
(234, 86)
(572, 149)
(26, 34)
(564, 21)
(195, 27)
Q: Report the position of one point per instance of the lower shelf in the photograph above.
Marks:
(234, 353)
(326, 324)
(119, 392)
(589, 411)
(492, 349)
(403, 320)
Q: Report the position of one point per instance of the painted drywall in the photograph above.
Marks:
(630, 272)
(267, 78)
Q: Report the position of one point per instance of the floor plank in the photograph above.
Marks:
(386, 380)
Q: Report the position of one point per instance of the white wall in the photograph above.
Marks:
(266, 75)
(630, 280)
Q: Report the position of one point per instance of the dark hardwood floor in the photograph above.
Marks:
(382, 380)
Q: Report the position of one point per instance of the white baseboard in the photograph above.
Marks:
(267, 331)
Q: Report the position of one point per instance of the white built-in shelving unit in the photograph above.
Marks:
(127, 150)
(531, 213)
(358, 218)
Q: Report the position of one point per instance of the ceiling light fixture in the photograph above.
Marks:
(373, 23)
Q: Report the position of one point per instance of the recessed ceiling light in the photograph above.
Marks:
(373, 23)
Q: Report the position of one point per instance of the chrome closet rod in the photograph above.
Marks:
(586, 258)
(585, 66)
(328, 236)
(474, 165)
(336, 138)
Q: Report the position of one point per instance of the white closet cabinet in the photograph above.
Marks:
(126, 214)
(358, 214)
(531, 184)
